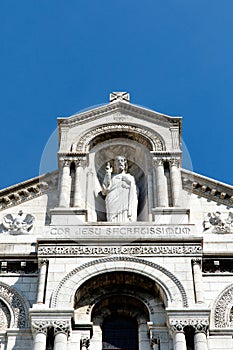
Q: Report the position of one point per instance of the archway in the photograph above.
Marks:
(119, 304)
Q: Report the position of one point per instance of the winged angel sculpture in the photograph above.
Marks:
(19, 224)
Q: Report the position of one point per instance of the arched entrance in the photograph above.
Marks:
(120, 304)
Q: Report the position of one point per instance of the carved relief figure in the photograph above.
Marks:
(121, 193)
(219, 222)
(18, 224)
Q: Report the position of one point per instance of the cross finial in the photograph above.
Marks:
(120, 96)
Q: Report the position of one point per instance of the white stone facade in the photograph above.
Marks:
(71, 280)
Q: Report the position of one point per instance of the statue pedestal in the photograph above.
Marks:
(170, 215)
(68, 216)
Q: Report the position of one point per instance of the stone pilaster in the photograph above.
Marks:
(197, 277)
(161, 185)
(175, 180)
(65, 184)
(43, 263)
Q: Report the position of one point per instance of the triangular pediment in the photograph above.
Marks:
(120, 110)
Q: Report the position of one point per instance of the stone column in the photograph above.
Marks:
(39, 329)
(200, 341)
(179, 341)
(65, 183)
(61, 332)
(43, 263)
(197, 277)
(78, 200)
(175, 181)
(161, 185)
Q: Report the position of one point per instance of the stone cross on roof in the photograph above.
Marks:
(120, 96)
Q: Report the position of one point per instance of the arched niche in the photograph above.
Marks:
(138, 165)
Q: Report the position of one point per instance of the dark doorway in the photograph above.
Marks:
(119, 332)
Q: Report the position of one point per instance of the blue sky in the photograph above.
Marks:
(59, 57)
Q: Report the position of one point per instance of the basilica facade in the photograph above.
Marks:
(121, 247)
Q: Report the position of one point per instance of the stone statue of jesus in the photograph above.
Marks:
(121, 193)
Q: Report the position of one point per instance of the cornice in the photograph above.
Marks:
(27, 190)
(120, 106)
(208, 188)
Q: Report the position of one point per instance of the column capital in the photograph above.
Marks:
(42, 261)
(80, 161)
(65, 162)
(157, 161)
(40, 326)
(174, 162)
(177, 326)
(196, 261)
(61, 326)
(200, 326)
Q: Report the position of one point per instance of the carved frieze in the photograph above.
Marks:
(141, 250)
(19, 224)
(218, 222)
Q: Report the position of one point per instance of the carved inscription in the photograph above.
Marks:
(119, 231)
(123, 250)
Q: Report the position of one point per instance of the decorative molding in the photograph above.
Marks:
(208, 188)
(97, 250)
(222, 309)
(115, 259)
(141, 135)
(18, 305)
